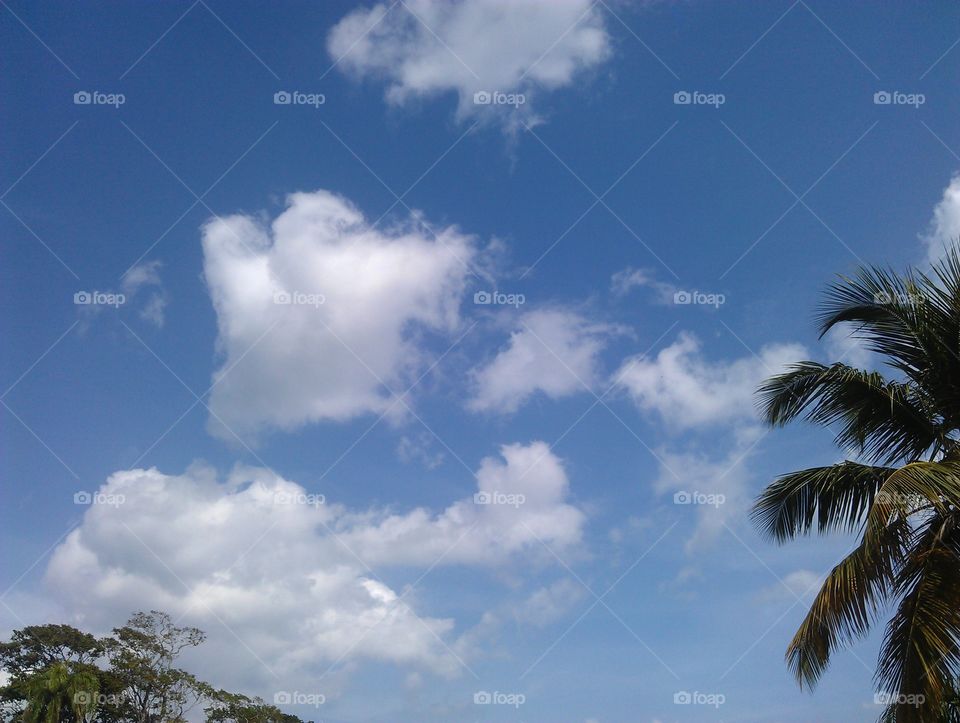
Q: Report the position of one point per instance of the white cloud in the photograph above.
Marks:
(716, 488)
(551, 351)
(550, 603)
(424, 47)
(274, 576)
(689, 391)
(944, 228)
(803, 584)
(623, 282)
(147, 276)
(528, 490)
(358, 295)
(420, 448)
(843, 347)
(141, 278)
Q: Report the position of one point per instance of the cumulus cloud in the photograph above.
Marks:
(944, 228)
(424, 47)
(278, 575)
(692, 393)
(318, 312)
(689, 391)
(519, 503)
(552, 351)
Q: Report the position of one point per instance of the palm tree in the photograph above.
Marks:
(59, 692)
(900, 493)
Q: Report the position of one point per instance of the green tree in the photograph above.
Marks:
(37, 646)
(227, 707)
(57, 675)
(142, 655)
(60, 692)
(49, 663)
(900, 493)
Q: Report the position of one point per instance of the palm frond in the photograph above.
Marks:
(835, 497)
(920, 656)
(913, 320)
(883, 307)
(847, 602)
(883, 419)
(916, 486)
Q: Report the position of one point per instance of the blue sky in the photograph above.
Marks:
(285, 422)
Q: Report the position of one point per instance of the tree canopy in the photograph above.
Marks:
(59, 674)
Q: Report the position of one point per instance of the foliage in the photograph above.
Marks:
(58, 674)
(901, 493)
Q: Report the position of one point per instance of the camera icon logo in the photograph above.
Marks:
(282, 297)
(682, 698)
(82, 498)
(682, 97)
(82, 297)
(83, 697)
(882, 297)
(82, 97)
(482, 297)
(283, 498)
(682, 297)
(482, 697)
(682, 498)
(282, 97)
(482, 97)
(882, 97)
(482, 498)
(281, 697)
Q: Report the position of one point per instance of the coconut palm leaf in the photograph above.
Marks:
(835, 497)
(902, 494)
(915, 487)
(848, 601)
(920, 656)
(885, 420)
